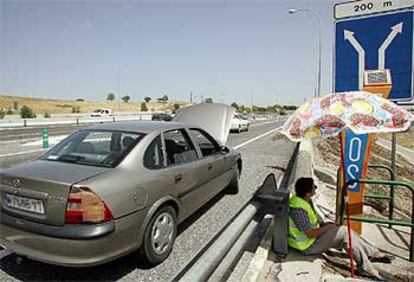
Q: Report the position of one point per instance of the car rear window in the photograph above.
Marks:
(94, 147)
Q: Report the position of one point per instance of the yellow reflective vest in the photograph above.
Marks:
(298, 239)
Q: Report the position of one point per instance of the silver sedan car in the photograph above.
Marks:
(114, 188)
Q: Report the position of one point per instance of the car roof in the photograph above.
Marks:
(137, 126)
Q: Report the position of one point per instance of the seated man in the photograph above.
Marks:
(311, 236)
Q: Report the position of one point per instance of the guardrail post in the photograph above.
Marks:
(392, 192)
(77, 120)
(24, 123)
(113, 119)
(412, 234)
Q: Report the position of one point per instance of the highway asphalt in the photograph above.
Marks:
(260, 155)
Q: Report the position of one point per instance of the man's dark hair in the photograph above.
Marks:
(303, 185)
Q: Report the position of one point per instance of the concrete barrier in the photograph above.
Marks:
(304, 164)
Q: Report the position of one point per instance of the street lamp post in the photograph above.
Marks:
(292, 11)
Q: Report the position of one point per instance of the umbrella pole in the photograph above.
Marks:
(348, 221)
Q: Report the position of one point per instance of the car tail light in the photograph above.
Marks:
(84, 206)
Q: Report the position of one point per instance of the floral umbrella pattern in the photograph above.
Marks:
(359, 111)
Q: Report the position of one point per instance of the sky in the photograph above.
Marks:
(247, 51)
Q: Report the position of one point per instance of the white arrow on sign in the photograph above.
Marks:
(349, 35)
(395, 30)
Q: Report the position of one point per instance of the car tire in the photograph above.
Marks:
(160, 235)
(233, 187)
(247, 128)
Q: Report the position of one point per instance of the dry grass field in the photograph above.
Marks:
(53, 106)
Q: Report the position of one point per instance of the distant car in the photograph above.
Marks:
(162, 116)
(102, 113)
(110, 189)
(239, 123)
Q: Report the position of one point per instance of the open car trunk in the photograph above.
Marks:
(212, 117)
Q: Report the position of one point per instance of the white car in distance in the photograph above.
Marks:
(239, 123)
(102, 113)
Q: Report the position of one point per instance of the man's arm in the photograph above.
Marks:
(315, 233)
(302, 222)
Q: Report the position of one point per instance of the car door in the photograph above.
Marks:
(183, 169)
(216, 166)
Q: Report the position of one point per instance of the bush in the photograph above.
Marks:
(80, 100)
(176, 106)
(46, 115)
(144, 107)
(64, 106)
(9, 112)
(75, 109)
(27, 112)
(2, 113)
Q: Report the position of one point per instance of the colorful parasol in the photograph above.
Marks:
(359, 111)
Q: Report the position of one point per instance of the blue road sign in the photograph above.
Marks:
(375, 42)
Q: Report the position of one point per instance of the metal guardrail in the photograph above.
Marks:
(74, 120)
(380, 220)
(218, 255)
(390, 198)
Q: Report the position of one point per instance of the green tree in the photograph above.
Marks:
(46, 115)
(9, 111)
(144, 107)
(126, 98)
(2, 113)
(27, 112)
(165, 98)
(208, 100)
(110, 97)
(257, 109)
(147, 99)
(235, 105)
(81, 100)
(176, 106)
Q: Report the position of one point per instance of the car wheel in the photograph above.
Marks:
(239, 129)
(233, 187)
(247, 127)
(160, 235)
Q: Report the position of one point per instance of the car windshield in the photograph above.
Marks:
(96, 148)
(97, 111)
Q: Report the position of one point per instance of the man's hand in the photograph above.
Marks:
(315, 233)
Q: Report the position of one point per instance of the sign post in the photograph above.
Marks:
(372, 38)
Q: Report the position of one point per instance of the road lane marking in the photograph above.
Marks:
(256, 138)
(22, 153)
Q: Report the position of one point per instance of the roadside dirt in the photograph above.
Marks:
(330, 151)
(405, 139)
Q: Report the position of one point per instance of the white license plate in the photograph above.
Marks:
(25, 204)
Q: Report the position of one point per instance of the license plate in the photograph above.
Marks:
(25, 204)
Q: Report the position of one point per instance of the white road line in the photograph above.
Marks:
(22, 153)
(256, 138)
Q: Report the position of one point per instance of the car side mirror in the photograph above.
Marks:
(224, 150)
